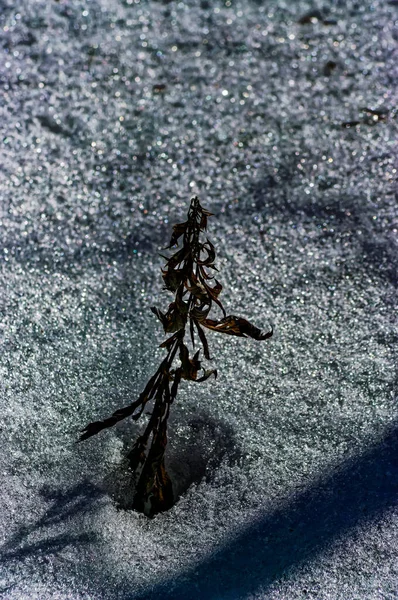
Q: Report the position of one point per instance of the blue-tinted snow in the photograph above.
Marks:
(113, 113)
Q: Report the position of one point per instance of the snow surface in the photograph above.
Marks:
(113, 113)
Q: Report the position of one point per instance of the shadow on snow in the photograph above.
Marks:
(65, 505)
(357, 492)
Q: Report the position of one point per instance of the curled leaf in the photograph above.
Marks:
(178, 230)
(199, 313)
(204, 276)
(181, 306)
(175, 318)
(198, 291)
(189, 366)
(213, 293)
(207, 374)
(173, 278)
(238, 326)
(216, 290)
(210, 251)
(177, 257)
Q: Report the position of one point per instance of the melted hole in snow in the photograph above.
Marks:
(194, 452)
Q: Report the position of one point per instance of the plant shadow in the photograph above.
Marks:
(65, 505)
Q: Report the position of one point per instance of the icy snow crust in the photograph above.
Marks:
(113, 114)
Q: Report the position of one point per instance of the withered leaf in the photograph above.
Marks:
(203, 223)
(198, 291)
(204, 276)
(207, 213)
(203, 339)
(173, 320)
(181, 306)
(191, 331)
(178, 230)
(189, 366)
(200, 312)
(160, 315)
(238, 326)
(173, 278)
(213, 293)
(122, 413)
(203, 219)
(211, 254)
(177, 257)
(136, 456)
(97, 426)
(217, 289)
(167, 343)
(207, 374)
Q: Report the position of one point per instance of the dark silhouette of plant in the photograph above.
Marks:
(186, 275)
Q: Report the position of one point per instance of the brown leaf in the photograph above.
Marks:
(203, 339)
(167, 343)
(189, 366)
(204, 276)
(181, 306)
(173, 278)
(200, 312)
(97, 426)
(214, 295)
(177, 257)
(207, 213)
(207, 374)
(160, 315)
(136, 456)
(175, 318)
(217, 289)
(178, 230)
(198, 291)
(203, 223)
(238, 326)
(211, 254)
(203, 219)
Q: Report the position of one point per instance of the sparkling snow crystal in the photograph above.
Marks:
(282, 117)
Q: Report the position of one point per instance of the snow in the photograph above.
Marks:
(286, 465)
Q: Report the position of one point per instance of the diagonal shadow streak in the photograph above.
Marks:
(355, 493)
(65, 506)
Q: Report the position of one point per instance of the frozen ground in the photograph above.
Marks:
(113, 112)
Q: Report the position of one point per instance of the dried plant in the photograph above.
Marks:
(187, 276)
